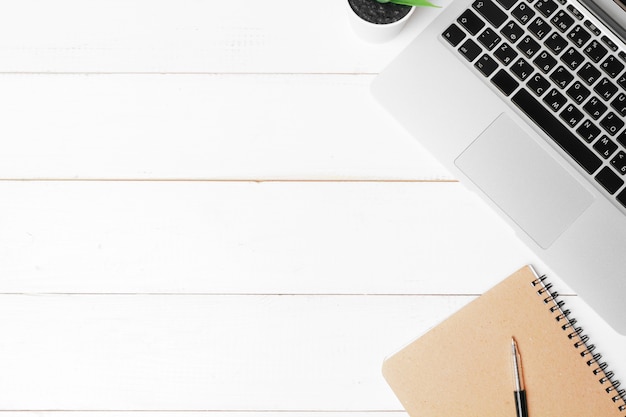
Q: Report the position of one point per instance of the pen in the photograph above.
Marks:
(520, 392)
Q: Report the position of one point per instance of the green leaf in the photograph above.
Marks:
(416, 3)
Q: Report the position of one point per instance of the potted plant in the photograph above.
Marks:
(381, 20)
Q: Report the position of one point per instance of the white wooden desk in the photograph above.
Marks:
(202, 210)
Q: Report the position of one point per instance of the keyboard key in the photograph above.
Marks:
(612, 123)
(528, 46)
(571, 115)
(593, 28)
(522, 69)
(605, 147)
(555, 100)
(505, 54)
(538, 84)
(619, 162)
(539, 28)
(556, 43)
(572, 58)
(621, 138)
(579, 36)
(595, 108)
(562, 77)
(609, 43)
(578, 92)
(507, 4)
(492, 13)
(612, 66)
(557, 131)
(486, 65)
(595, 51)
(504, 82)
(489, 39)
(589, 73)
(470, 50)
(575, 12)
(621, 197)
(609, 180)
(545, 62)
(605, 88)
(621, 81)
(619, 104)
(546, 7)
(588, 131)
(454, 35)
(562, 21)
(512, 31)
(471, 22)
(523, 13)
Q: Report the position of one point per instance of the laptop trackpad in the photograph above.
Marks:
(524, 181)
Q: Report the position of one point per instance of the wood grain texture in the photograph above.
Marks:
(298, 353)
(246, 237)
(190, 36)
(202, 127)
(204, 213)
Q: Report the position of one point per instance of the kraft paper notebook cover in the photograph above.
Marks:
(463, 366)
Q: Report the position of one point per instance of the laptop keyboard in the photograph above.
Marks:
(560, 70)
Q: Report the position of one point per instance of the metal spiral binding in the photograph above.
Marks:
(593, 360)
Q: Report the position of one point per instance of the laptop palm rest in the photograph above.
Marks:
(524, 181)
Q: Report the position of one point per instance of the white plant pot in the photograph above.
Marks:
(373, 32)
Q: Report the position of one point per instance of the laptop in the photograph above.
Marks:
(524, 101)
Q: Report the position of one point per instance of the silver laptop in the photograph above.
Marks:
(525, 102)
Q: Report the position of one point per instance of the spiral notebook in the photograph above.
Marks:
(462, 367)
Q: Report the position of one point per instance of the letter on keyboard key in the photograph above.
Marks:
(605, 88)
(588, 131)
(557, 131)
(505, 53)
(595, 108)
(556, 43)
(539, 28)
(523, 13)
(605, 147)
(538, 84)
(619, 104)
(612, 123)
(578, 92)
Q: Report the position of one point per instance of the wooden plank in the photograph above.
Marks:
(160, 36)
(249, 237)
(294, 353)
(202, 126)
(74, 413)
(214, 353)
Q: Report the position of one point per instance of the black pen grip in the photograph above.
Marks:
(520, 403)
